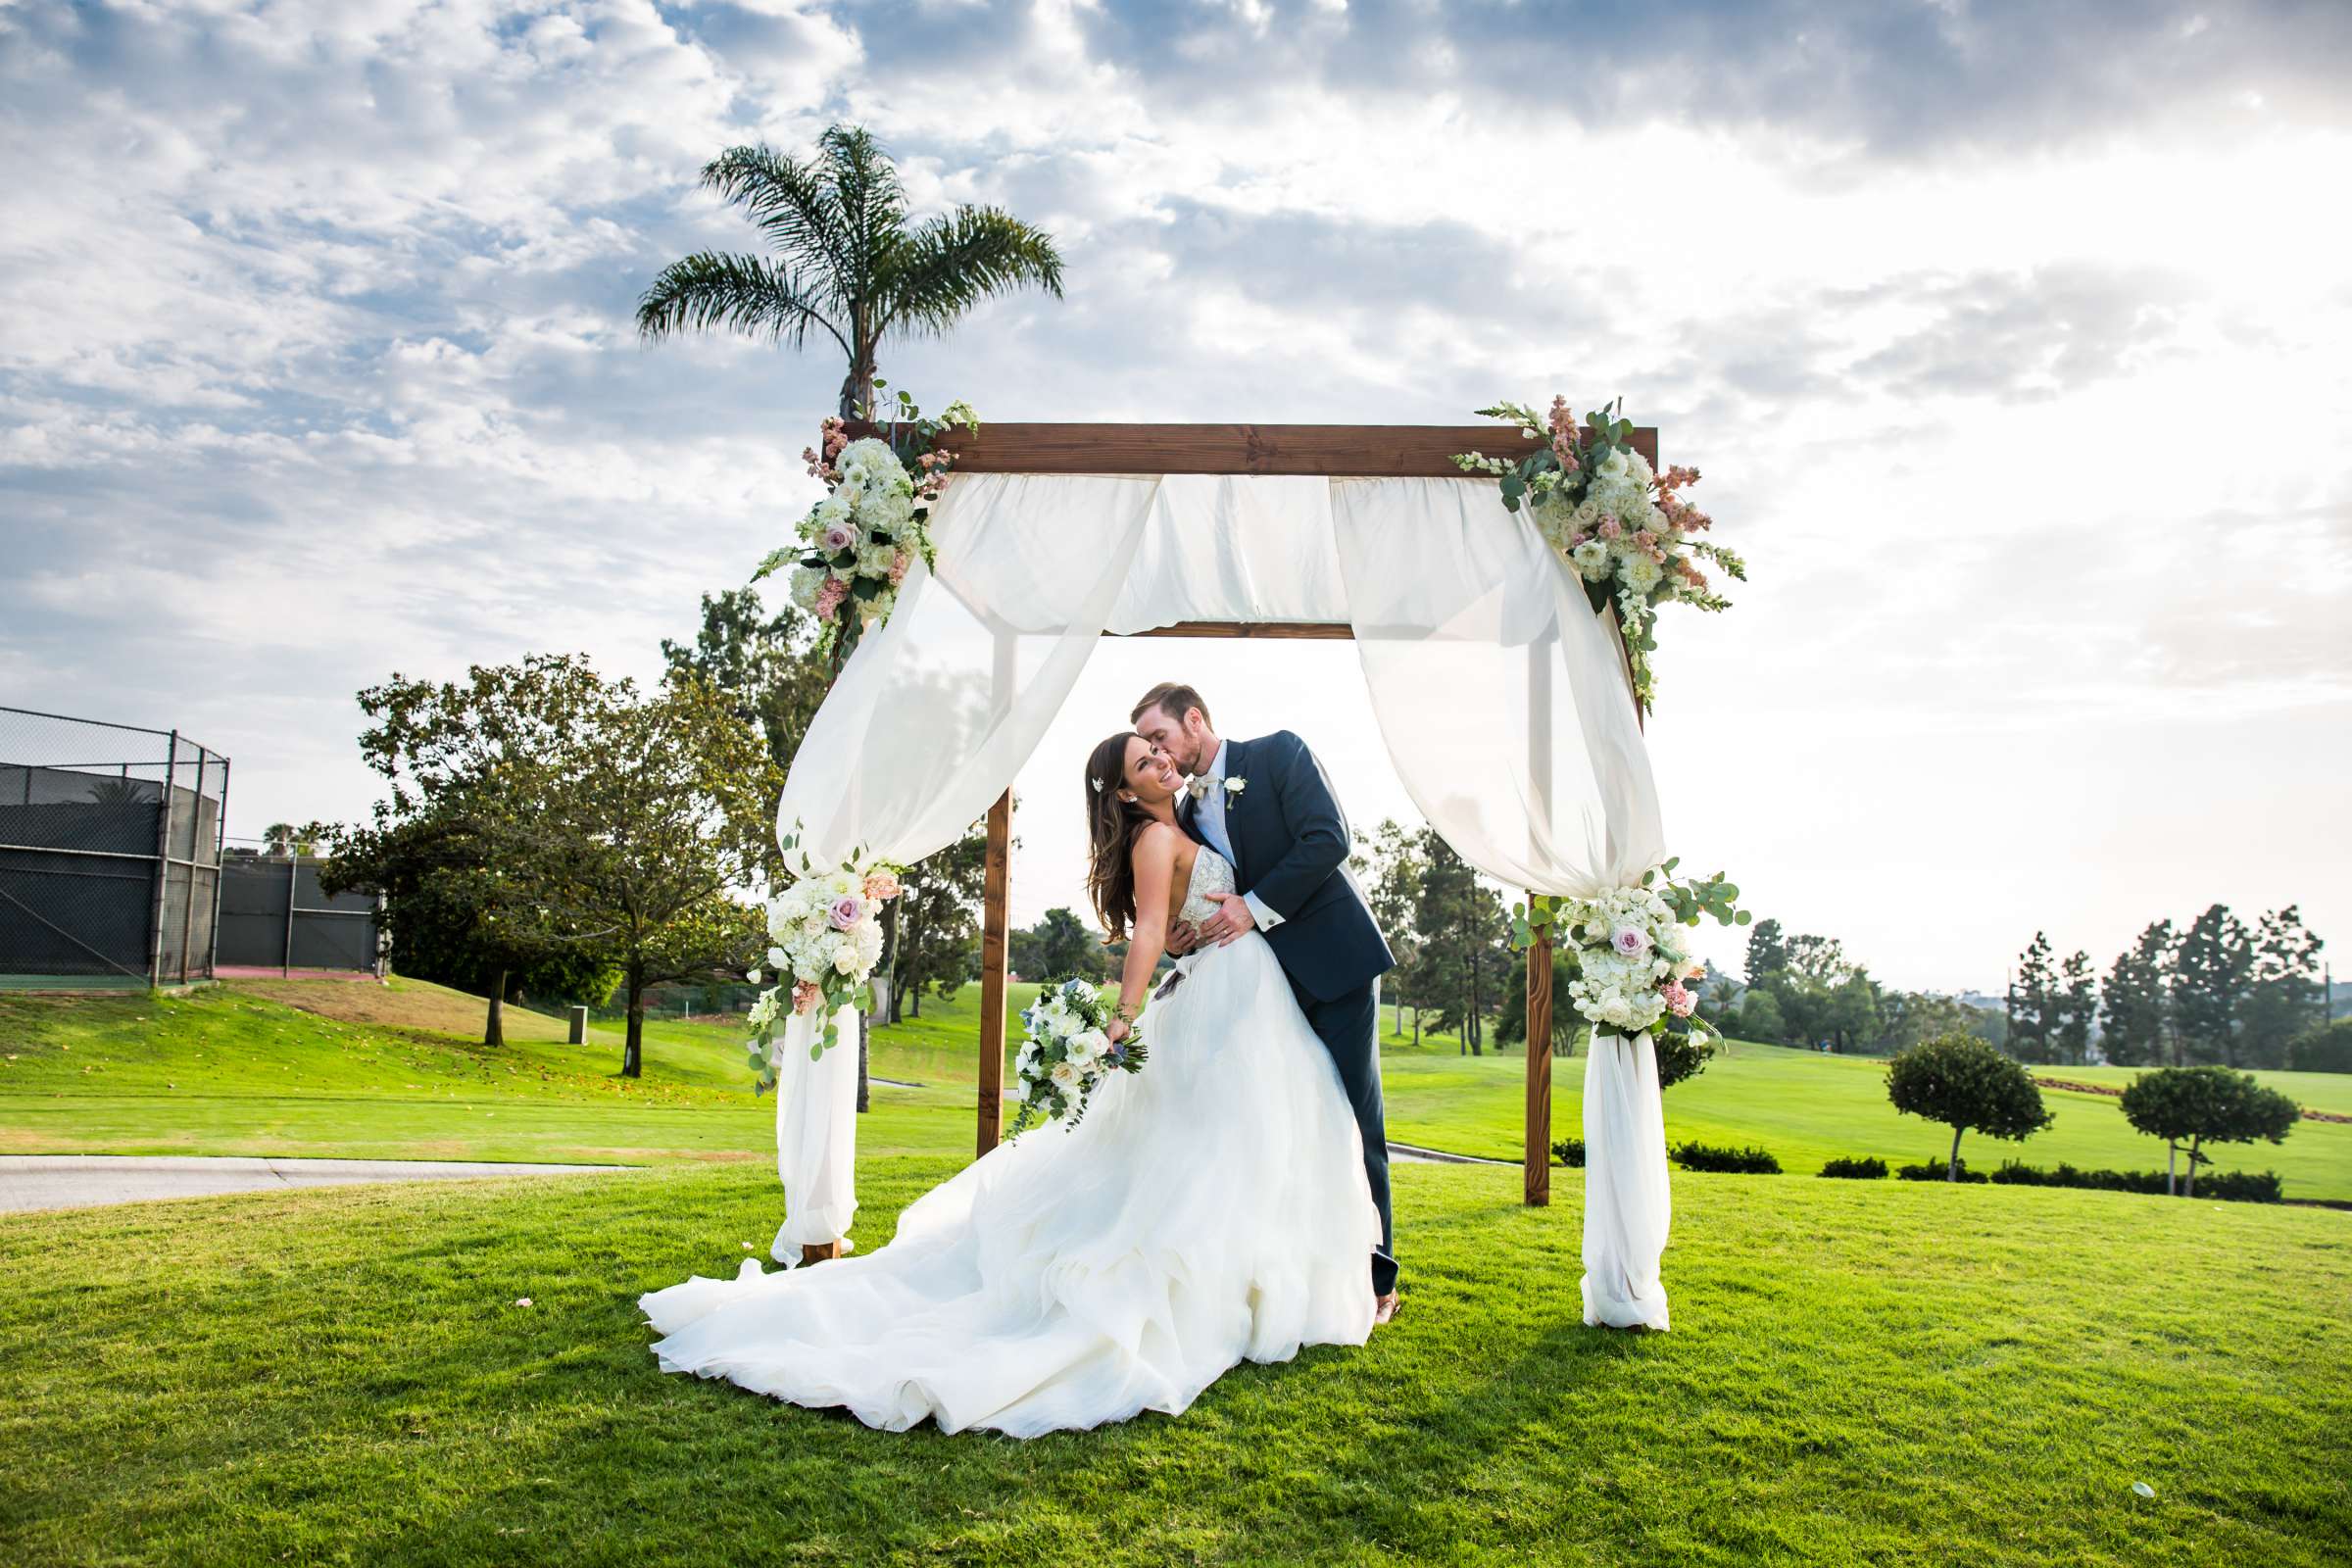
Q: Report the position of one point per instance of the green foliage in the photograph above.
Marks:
(2208, 1105)
(2212, 964)
(2033, 1004)
(847, 262)
(2133, 1004)
(2282, 996)
(2328, 1050)
(1938, 1170)
(1390, 867)
(1965, 1084)
(1569, 1151)
(1767, 952)
(1059, 946)
(2237, 1186)
(1760, 1018)
(767, 665)
(1681, 1055)
(935, 923)
(1867, 1168)
(1464, 941)
(1748, 1161)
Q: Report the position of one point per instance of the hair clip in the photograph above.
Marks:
(1097, 783)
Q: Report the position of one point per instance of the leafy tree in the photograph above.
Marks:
(2282, 999)
(845, 260)
(1057, 947)
(1465, 936)
(1966, 1084)
(1567, 1024)
(1760, 1016)
(2032, 1003)
(1390, 867)
(936, 942)
(2213, 966)
(467, 768)
(765, 665)
(1849, 1013)
(2205, 1105)
(2324, 1049)
(2076, 1007)
(659, 809)
(1767, 951)
(1911, 1016)
(2133, 1004)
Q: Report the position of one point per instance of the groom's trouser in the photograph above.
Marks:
(1348, 1026)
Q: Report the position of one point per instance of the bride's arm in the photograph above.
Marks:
(1154, 862)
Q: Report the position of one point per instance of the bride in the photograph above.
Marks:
(1211, 1207)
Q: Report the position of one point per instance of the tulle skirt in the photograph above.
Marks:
(1209, 1209)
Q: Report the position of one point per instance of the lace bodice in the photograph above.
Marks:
(1213, 875)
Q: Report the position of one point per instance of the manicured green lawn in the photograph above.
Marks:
(1858, 1374)
(233, 1070)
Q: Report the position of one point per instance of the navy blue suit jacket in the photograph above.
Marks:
(1290, 848)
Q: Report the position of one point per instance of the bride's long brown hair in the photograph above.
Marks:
(1112, 826)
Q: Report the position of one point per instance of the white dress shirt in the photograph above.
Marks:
(1209, 818)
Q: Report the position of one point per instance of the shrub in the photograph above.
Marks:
(1869, 1168)
(2206, 1105)
(1936, 1170)
(1681, 1056)
(1570, 1151)
(1750, 1162)
(2236, 1186)
(2328, 1050)
(1962, 1082)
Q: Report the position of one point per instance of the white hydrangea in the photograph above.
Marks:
(1640, 573)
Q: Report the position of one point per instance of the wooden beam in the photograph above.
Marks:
(995, 952)
(1348, 451)
(1539, 1072)
(1318, 630)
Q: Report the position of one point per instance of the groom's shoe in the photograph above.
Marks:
(1385, 1309)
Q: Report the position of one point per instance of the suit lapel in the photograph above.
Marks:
(1237, 755)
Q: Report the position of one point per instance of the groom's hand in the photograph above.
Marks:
(1232, 919)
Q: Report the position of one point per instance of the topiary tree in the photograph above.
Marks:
(1963, 1083)
(2206, 1106)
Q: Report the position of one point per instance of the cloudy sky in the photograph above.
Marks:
(2013, 340)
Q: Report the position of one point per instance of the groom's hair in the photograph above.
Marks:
(1171, 698)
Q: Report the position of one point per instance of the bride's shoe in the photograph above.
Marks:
(1385, 1309)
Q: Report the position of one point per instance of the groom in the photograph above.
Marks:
(1266, 806)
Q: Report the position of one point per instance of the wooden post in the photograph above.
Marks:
(995, 950)
(1539, 1072)
(1537, 1150)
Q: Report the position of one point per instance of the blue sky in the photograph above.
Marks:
(2013, 341)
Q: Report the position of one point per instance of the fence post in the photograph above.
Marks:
(293, 870)
(211, 953)
(163, 869)
(187, 912)
(579, 1033)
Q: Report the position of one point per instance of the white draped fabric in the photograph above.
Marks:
(1502, 697)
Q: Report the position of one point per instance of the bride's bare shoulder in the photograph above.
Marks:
(1157, 843)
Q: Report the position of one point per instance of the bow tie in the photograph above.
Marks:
(1197, 788)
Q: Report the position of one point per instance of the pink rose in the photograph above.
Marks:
(840, 537)
(829, 597)
(1679, 1000)
(845, 911)
(1610, 528)
(1646, 541)
(1630, 942)
(898, 566)
(806, 996)
(881, 885)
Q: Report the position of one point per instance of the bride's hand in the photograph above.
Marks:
(1183, 937)
(1117, 1030)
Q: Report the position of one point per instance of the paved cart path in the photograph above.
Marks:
(77, 1181)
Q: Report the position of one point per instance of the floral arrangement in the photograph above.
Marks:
(1067, 1052)
(826, 935)
(855, 546)
(1626, 532)
(1635, 971)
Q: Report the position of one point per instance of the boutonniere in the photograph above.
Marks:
(1197, 788)
(1234, 788)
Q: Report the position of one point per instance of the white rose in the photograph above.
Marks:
(845, 961)
(1065, 1076)
(1591, 560)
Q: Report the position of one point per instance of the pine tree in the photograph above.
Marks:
(2078, 1007)
(1767, 951)
(2282, 999)
(2133, 1008)
(2034, 1016)
(2212, 969)
(1465, 936)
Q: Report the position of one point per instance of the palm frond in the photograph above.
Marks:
(792, 203)
(747, 293)
(872, 202)
(951, 263)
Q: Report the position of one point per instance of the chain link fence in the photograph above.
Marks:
(274, 915)
(110, 853)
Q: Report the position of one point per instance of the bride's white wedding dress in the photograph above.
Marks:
(1210, 1208)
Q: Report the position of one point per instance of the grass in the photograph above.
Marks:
(326, 1067)
(1880, 1375)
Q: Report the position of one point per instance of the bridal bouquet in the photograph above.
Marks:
(1067, 1054)
(855, 546)
(825, 932)
(1637, 972)
(1626, 530)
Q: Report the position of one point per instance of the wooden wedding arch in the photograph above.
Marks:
(1331, 450)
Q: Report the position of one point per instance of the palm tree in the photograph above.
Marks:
(845, 260)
